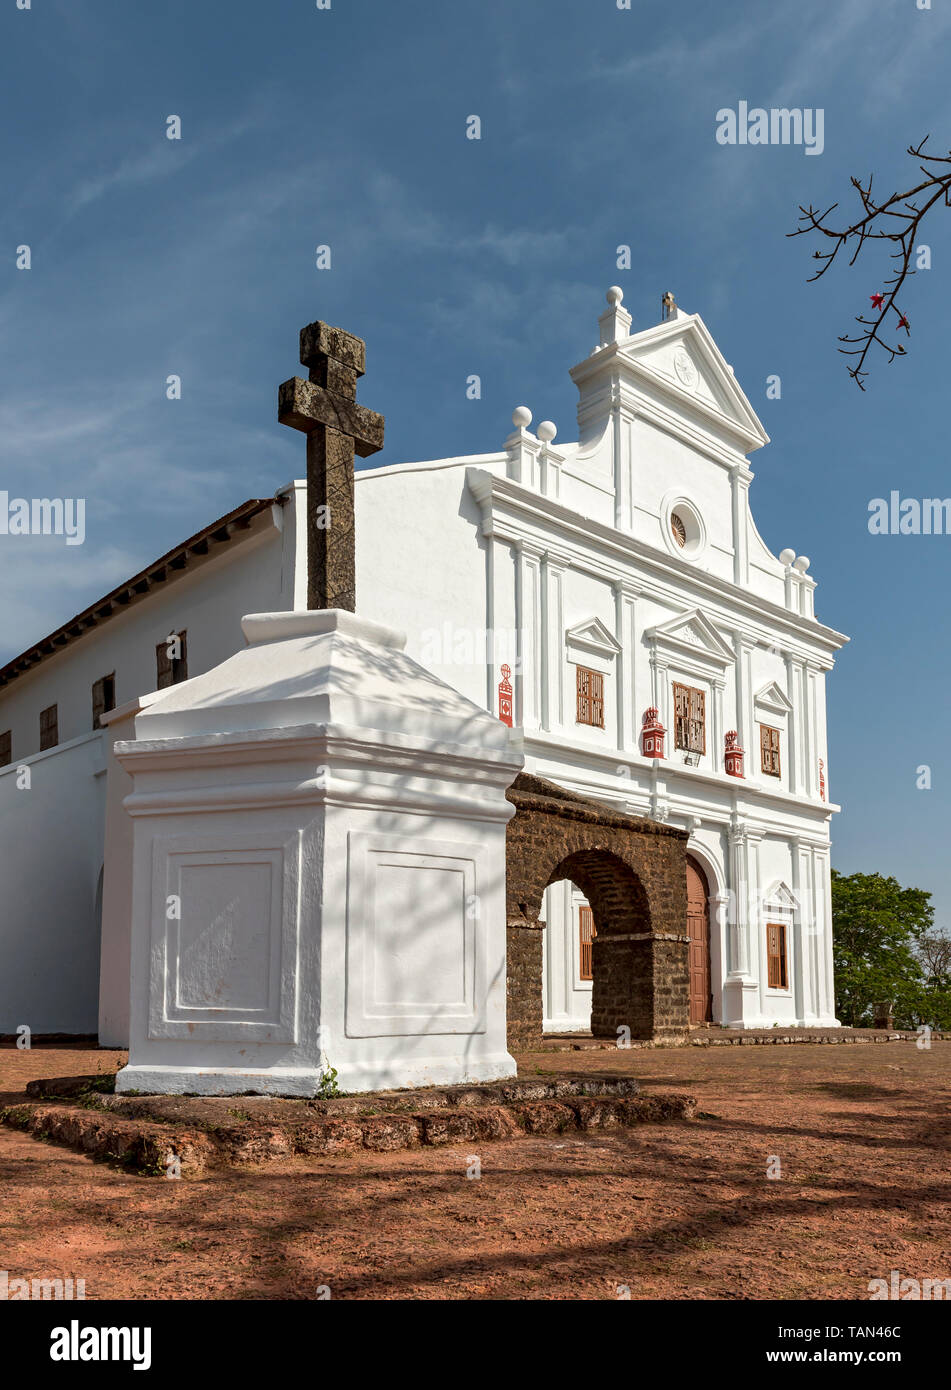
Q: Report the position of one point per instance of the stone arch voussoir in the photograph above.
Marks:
(633, 872)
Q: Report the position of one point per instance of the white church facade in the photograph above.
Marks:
(609, 599)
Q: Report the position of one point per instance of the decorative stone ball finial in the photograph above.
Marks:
(787, 556)
(546, 431)
(614, 295)
(801, 563)
(521, 417)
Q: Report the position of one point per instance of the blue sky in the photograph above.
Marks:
(347, 127)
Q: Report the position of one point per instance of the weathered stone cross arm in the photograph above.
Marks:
(326, 410)
(304, 406)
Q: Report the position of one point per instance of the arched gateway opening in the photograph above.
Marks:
(633, 874)
(619, 913)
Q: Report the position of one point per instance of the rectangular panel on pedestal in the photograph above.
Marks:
(415, 936)
(224, 938)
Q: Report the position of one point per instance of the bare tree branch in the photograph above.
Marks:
(907, 210)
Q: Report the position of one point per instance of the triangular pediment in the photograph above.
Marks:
(694, 633)
(781, 896)
(773, 698)
(593, 636)
(679, 362)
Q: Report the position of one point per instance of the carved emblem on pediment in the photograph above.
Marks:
(685, 369)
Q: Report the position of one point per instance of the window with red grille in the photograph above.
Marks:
(690, 719)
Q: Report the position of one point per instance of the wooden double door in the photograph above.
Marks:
(698, 930)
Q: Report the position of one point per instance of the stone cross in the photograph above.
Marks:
(325, 409)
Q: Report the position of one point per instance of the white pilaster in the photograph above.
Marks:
(799, 935)
(742, 1007)
(743, 647)
(553, 625)
(528, 688)
(822, 878)
(660, 686)
(625, 631)
(740, 478)
(811, 780)
(793, 727)
(717, 729)
(622, 429)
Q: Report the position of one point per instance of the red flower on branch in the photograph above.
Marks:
(877, 300)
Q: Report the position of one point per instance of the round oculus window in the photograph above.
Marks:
(683, 528)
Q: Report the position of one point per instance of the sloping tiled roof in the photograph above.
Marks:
(169, 566)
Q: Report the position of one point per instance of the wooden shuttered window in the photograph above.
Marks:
(587, 934)
(6, 748)
(171, 660)
(690, 719)
(590, 687)
(769, 750)
(103, 697)
(49, 727)
(777, 976)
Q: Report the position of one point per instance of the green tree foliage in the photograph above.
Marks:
(878, 932)
(934, 952)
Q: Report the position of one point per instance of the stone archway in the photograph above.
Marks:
(633, 873)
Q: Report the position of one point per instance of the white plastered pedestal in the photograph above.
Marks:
(318, 871)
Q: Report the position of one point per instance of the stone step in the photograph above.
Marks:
(200, 1140)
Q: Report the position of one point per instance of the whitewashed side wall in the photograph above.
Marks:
(52, 837)
(51, 842)
(421, 567)
(208, 602)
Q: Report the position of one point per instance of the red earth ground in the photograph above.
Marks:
(673, 1211)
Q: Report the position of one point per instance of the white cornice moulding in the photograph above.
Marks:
(594, 758)
(506, 506)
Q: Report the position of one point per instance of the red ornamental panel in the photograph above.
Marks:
(822, 780)
(733, 755)
(505, 696)
(652, 734)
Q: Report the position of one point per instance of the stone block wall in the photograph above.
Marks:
(633, 873)
(524, 1001)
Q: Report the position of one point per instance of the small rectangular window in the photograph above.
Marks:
(769, 750)
(690, 719)
(590, 687)
(171, 660)
(6, 748)
(777, 977)
(586, 934)
(49, 728)
(103, 698)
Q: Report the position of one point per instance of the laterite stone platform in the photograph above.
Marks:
(196, 1133)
